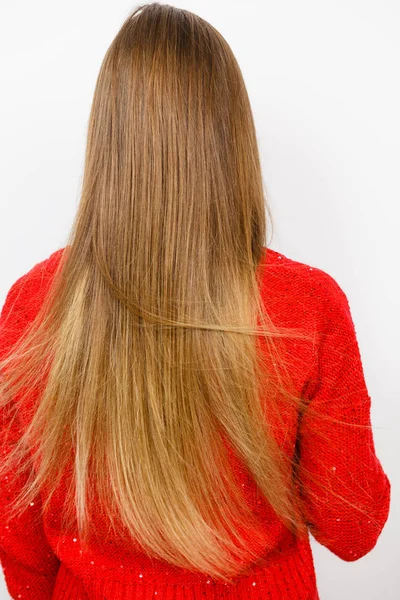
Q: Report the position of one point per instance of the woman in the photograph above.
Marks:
(181, 405)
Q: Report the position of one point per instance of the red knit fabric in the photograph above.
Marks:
(329, 374)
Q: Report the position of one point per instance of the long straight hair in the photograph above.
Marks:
(152, 356)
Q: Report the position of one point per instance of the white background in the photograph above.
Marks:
(323, 80)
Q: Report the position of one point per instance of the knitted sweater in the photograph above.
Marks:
(328, 373)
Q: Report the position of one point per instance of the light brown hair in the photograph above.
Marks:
(150, 333)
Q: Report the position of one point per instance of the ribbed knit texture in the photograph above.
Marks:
(329, 374)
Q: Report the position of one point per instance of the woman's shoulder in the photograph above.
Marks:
(301, 286)
(27, 291)
(290, 268)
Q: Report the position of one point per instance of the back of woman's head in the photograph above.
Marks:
(149, 332)
(172, 149)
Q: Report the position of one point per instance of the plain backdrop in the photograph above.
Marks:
(323, 81)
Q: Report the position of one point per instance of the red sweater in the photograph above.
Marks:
(342, 457)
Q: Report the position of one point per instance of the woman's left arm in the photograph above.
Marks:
(29, 564)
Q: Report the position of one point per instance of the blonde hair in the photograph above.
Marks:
(154, 337)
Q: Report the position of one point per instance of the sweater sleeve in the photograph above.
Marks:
(29, 565)
(345, 491)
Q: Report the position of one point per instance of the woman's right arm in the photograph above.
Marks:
(346, 494)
